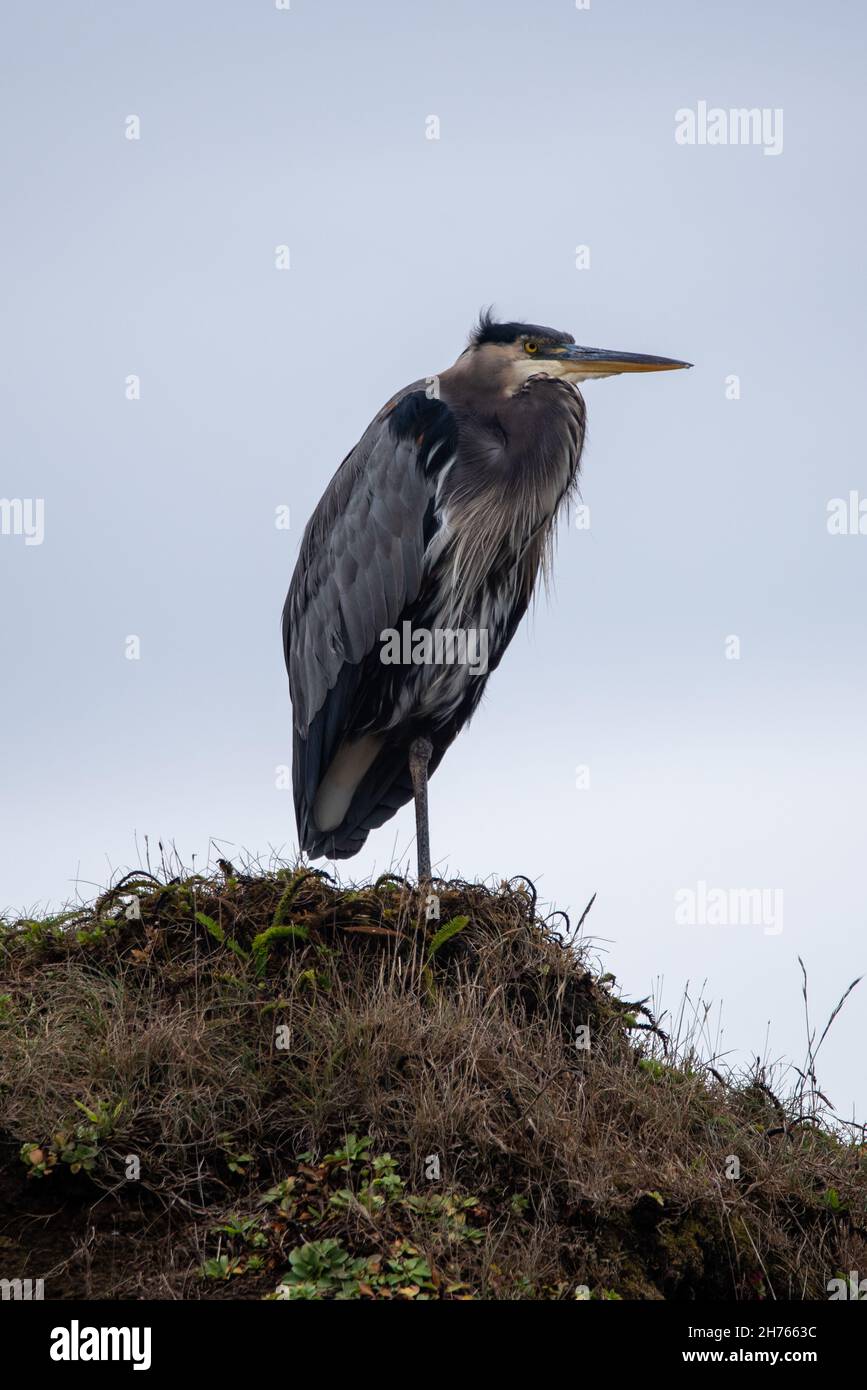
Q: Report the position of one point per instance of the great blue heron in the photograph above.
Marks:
(438, 522)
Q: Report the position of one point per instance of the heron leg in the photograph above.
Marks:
(420, 751)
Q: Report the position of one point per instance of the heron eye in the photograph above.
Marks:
(531, 347)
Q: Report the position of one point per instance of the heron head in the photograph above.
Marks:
(513, 352)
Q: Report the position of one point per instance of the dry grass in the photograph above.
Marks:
(232, 1066)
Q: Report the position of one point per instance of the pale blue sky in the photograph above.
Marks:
(156, 257)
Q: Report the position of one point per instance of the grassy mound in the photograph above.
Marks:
(267, 1086)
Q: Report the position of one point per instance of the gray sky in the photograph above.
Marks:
(307, 128)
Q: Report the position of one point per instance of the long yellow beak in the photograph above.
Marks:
(585, 362)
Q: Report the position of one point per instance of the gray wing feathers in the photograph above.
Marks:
(360, 564)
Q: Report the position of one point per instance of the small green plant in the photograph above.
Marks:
(323, 1269)
(655, 1070)
(217, 932)
(248, 1230)
(354, 1151)
(236, 1162)
(445, 933)
(382, 1186)
(450, 1210)
(833, 1201)
(78, 1147)
(223, 1267)
(263, 943)
(282, 914)
(320, 1268)
(385, 1177)
(283, 1196)
(90, 938)
(40, 1159)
